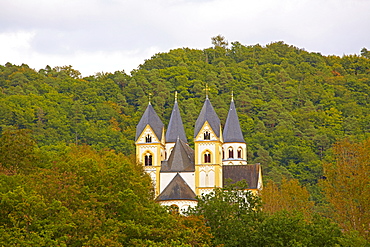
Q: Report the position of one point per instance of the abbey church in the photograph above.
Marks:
(180, 173)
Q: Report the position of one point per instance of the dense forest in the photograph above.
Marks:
(67, 146)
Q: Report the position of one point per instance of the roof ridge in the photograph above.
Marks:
(177, 189)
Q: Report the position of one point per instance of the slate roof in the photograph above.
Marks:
(239, 172)
(177, 189)
(175, 127)
(181, 159)
(207, 114)
(150, 117)
(232, 131)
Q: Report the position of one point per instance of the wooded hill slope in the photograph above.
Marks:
(292, 104)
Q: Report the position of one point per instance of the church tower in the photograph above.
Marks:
(234, 148)
(208, 147)
(175, 129)
(150, 144)
(178, 172)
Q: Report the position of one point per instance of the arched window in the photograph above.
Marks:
(240, 154)
(231, 153)
(207, 135)
(207, 157)
(174, 209)
(148, 139)
(148, 159)
(223, 153)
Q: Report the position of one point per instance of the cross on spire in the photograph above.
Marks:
(207, 89)
(232, 95)
(149, 95)
(175, 96)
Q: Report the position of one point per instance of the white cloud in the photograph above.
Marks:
(13, 46)
(109, 35)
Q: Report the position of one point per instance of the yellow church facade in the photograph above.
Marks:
(180, 173)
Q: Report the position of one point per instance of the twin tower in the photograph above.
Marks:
(178, 172)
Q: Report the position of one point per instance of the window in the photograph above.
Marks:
(239, 153)
(223, 153)
(174, 209)
(207, 135)
(207, 157)
(148, 139)
(148, 159)
(231, 153)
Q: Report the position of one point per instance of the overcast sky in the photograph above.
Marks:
(109, 35)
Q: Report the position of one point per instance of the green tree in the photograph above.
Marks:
(232, 213)
(219, 41)
(235, 218)
(86, 198)
(17, 150)
(365, 52)
(346, 186)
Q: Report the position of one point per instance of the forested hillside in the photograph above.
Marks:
(292, 104)
(67, 171)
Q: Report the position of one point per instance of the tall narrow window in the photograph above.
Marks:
(207, 135)
(207, 157)
(148, 139)
(231, 153)
(223, 153)
(239, 153)
(148, 159)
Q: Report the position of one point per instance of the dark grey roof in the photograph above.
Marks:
(150, 117)
(181, 159)
(175, 127)
(177, 189)
(207, 114)
(232, 131)
(239, 172)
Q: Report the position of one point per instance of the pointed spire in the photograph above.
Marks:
(232, 131)
(181, 159)
(207, 114)
(150, 117)
(175, 126)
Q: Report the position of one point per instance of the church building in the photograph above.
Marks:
(180, 173)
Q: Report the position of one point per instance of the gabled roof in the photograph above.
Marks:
(207, 114)
(232, 131)
(181, 159)
(177, 189)
(237, 173)
(175, 127)
(150, 117)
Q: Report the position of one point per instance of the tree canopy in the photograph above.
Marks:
(72, 136)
